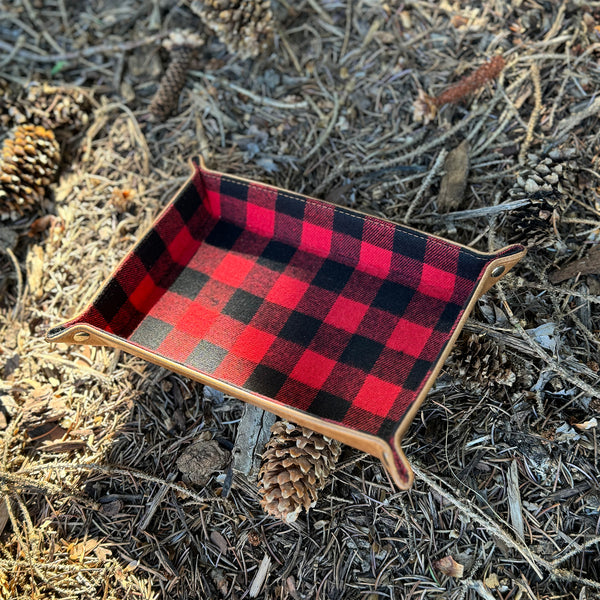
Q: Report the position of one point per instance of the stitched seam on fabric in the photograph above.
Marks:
(317, 204)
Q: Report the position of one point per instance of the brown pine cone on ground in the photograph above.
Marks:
(52, 107)
(547, 182)
(58, 108)
(29, 162)
(296, 465)
(244, 26)
(182, 46)
(481, 364)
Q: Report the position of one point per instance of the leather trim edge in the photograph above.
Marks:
(368, 443)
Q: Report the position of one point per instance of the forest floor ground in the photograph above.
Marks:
(506, 466)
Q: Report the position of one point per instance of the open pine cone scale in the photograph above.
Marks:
(296, 465)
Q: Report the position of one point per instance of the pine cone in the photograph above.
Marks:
(546, 183)
(182, 46)
(29, 162)
(57, 108)
(51, 107)
(5, 103)
(244, 26)
(296, 464)
(481, 364)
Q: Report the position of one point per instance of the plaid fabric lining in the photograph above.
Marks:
(314, 306)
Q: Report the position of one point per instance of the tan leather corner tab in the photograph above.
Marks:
(498, 268)
(75, 334)
(397, 466)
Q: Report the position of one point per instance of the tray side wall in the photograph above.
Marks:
(453, 274)
(152, 266)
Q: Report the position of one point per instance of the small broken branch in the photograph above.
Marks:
(84, 52)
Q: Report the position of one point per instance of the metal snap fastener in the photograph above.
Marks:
(81, 336)
(498, 271)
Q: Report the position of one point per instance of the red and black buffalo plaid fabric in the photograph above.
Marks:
(310, 305)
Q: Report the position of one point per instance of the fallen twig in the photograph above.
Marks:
(534, 560)
(85, 52)
(582, 385)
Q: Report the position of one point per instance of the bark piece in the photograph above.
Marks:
(454, 182)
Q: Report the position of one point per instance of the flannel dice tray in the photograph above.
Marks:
(333, 319)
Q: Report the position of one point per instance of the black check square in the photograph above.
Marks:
(242, 306)
(151, 332)
(189, 283)
(333, 276)
(411, 245)
(417, 374)
(469, 266)
(151, 249)
(111, 300)
(276, 256)
(224, 235)
(329, 406)
(361, 353)
(393, 297)
(234, 189)
(448, 317)
(349, 223)
(300, 329)
(206, 357)
(387, 428)
(187, 204)
(266, 381)
(288, 205)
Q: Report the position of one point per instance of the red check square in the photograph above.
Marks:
(260, 220)
(253, 344)
(376, 396)
(296, 394)
(374, 260)
(196, 321)
(362, 419)
(214, 295)
(437, 283)
(378, 234)
(207, 258)
(270, 317)
(224, 331)
(212, 202)
(262, 195)
(287, 292)
(183, 247)
(409, 338)
(346, 314)
(260, 281)
(233, 269)
(170, 307)
(235, 369)
(313, 369)
(316, 240)
(178, 345)
(145, 294)
(169, 228)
